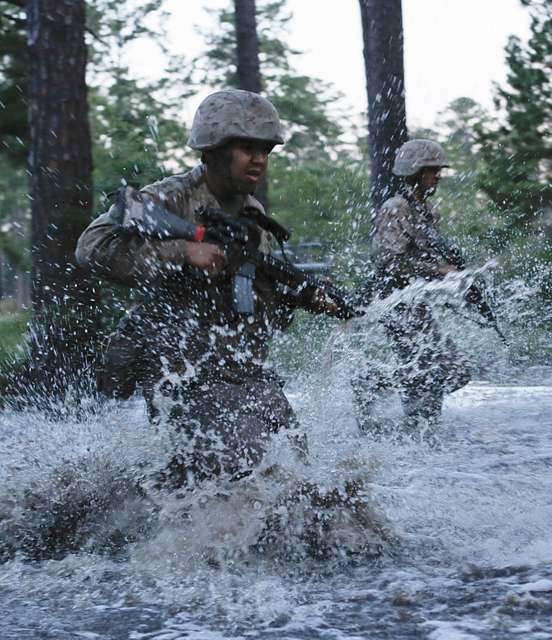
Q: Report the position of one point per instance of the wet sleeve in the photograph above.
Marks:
(124, 258)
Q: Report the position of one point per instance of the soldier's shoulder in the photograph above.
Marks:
(396, 202)
(181, 193)
(177, 184)
(395, 206)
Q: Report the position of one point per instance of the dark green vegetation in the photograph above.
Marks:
(12, 330)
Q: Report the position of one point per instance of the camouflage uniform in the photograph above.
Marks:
(201, 365)
(429, 362)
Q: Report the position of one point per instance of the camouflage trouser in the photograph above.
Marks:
(430, 365)
(218, 427)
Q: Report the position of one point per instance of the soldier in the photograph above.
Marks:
(405, 246)
(199, 360)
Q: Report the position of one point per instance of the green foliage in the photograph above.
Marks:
(14, 202)
(465, 209)
(517, 146)
(516, 149)
(218, 65)
(135, 136)
(303, 104)
(321, 200)
(114, 24)
(14, 213)
(13, 327)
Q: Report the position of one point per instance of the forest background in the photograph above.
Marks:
(496, 200)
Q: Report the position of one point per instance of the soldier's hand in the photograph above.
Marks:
(447, 268)
(205, 256)
(323, 303)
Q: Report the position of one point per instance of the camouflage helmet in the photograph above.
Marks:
(417, 154)
(234, 113)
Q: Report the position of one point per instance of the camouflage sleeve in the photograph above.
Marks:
(124, 258)
(394, 247)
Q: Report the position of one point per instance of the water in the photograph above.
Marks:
(388, 538)
(468, 555)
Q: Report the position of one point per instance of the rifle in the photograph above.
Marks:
(476, 294)
(239, 235)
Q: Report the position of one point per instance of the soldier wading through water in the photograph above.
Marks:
(197, 353)
(404, 248)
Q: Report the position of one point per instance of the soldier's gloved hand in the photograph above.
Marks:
(205, 256)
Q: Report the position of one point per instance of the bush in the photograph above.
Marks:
(12, 334)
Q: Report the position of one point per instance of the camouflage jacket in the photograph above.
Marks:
(184, 323)
(401, 244)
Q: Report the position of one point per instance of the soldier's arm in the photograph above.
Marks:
(133, 260)
(115, 255)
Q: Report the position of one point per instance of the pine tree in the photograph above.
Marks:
(517, 149)
(65, 301)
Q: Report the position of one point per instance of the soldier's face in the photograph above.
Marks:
(429, 179)
(248, 164)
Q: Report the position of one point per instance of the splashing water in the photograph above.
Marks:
(370, 538)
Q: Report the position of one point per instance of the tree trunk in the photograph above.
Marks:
(60, 166)
(383, 59)
(248, 66)
(249, 73)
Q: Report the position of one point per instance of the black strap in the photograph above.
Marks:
(269, 224)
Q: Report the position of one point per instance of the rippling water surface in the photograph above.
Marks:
(449, 540)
